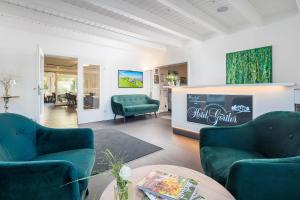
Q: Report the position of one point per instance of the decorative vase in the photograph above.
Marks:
(171, 83)
(5, 91)
(121, 193)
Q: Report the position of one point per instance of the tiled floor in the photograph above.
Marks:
(178, 150)
(59, 116)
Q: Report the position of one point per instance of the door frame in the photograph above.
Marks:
(40, 107)
(39, 88)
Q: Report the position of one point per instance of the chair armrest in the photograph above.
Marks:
(51, 140)
(241, 137)
(117, 108)
(38, 180)
(264, 179)
(153, 101)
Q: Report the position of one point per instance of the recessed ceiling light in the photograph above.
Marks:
(222, 9)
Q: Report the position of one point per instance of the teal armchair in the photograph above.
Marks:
(258, 160)
(129, 105)
(43, 163)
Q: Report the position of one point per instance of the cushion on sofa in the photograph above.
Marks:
(218, 160)
(141, 107)
(82, 159)
(129, 100)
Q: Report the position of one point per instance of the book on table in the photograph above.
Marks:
(148, 196)
(161, 185)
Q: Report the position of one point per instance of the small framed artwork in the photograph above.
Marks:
(156, 79)
(130, 79)
(156, 71)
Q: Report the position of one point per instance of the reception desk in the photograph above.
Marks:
(195, 107)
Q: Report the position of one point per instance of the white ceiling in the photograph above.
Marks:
(163, 22)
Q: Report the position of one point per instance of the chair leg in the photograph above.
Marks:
(155, 115)
(124, 119)
(115, 117)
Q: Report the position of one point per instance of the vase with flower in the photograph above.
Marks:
(121, 173)
(7, 83)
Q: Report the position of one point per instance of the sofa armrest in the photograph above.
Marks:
(264, 179)
(153, 101)
(117, 108)
(38, 180)
(241, 137)
(51, 140)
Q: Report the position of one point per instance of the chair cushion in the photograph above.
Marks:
(217, 161)
(278, 134)
(82, 159)
(130, 100)
(141, 107)
(17, 138)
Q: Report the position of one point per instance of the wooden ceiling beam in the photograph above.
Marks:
(248, 11)
(146, 17)
(55, 9)
(187, 10)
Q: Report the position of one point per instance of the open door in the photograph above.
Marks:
(40, 83)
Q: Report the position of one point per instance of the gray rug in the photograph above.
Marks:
(120, 144)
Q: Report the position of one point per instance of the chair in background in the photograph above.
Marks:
(258, 160)
(68, 99)
(91, 101)
(73, 99)
(53, 98)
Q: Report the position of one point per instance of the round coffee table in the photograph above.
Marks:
(208, 188)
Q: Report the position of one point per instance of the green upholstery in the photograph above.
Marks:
(258, 160)
(82, 163)
(128, 105)
(220, 159)
(36, 162)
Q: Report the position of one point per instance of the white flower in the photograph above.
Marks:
(125, 172)
(12, 82)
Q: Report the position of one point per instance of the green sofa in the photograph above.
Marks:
(258, 160)
(136, 104)
(37, 162)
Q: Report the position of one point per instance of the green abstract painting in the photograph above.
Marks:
(249, 66)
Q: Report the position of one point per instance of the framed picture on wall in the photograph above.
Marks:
(130, 79)
(249, 66)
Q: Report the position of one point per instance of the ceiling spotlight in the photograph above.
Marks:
(222, 9)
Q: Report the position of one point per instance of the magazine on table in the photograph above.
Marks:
(148, 196)
(168, 186)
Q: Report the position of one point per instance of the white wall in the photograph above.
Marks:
(207, 61)
(18, 55)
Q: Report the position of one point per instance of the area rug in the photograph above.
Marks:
(120, 144)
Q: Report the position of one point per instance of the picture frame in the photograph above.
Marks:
(130, 79)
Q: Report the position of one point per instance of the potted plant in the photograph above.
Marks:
(172, 79)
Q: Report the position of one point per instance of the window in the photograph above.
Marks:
(91, 76)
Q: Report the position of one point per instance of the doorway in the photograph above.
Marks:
(165, 78)
(60, 92)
